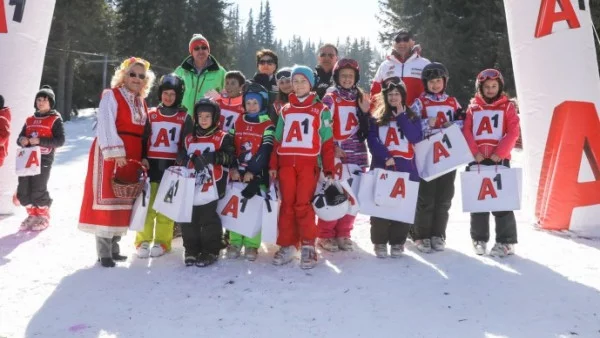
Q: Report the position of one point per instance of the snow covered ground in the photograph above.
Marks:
(50, 285)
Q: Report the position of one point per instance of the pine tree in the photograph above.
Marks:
(259, 28)
(249, 48)
(268, 28)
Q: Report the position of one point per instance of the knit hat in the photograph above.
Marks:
(304, 71)
(254, 96)
(45, 91)
(198, 39)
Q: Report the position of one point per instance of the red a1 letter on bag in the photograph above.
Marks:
(32, 160)
(548, 17)
(3, 25)
(574, 131)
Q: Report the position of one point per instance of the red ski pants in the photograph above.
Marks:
(296, 215)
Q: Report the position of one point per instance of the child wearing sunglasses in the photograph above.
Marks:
(437, 110)
(393, 130)
(163, 138)
(231, 103)
(350, 108)
(304, 143)
(491, 129)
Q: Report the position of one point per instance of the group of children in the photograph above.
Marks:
(295, 139)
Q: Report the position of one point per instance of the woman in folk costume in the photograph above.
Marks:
(121, 118)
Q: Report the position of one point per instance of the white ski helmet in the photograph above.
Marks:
(330, 202)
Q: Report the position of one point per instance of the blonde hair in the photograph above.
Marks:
(123, 70)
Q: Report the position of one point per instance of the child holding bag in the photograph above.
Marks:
(304, 142)
(491, 129)
(393, 130)
(163, 138)
(438, 110)
(349, 106)
(206, 145)
(253, 140)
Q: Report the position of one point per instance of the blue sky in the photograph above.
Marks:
(319, 19)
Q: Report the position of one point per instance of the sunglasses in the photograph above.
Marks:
(197, 48)
(139, 76)
(404, 38)
(331, 55)
(488, 74)
(266, 62)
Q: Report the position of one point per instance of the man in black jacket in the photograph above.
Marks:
(326, 59)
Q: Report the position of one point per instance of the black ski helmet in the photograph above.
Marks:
(172, 81)
(212, 106)
(432, 71)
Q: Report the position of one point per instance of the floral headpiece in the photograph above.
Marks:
(133, 60)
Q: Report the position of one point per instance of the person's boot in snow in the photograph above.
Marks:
(43, 219)
(157, 250)
(502, 250)
(206, 259)
(190, 260)
(329, 244)
(251, 253)
(438, 243)
(345, 244)
(143, 250)
(396, 250)
(479, 247)
(308, 257)
(107, 262)
(381, 250)
(117, 257)
(30, 220)
(423, 245)
(233, 251)
(284, 255)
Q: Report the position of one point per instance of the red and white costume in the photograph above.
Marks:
(121, 119)
(409, 71)
(231, 110)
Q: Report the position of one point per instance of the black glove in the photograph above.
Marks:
(199, 162)
(251, 189)
(1, 102)
(181, 159)
(209, 157)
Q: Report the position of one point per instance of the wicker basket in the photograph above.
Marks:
(132, 190)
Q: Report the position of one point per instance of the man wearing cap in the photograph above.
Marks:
(406, 63)
(326, 59)
(201, 73)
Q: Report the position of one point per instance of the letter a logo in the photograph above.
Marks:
(439, 151)
(162, 138)
(391, 137)
(399, 189)
(548, 16)
(487, 188)
(351, 122)
(232, 207)
(172, 192)
(32, 160)
(485, 125)
(295, 132)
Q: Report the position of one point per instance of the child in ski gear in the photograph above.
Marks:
(393, 130)
(163, 137)
(231, 103)
(302, 134)
(349, 106)
(491, 129)
(122, 115)
(253, 139)
(437, 110)
(4, 130)
(206, 148)
(284, 84)
(45, 129)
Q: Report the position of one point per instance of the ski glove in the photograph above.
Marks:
(252, 188)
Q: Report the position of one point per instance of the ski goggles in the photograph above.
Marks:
(347, 63)
(283, 75)
(392, 82)
(134, 60)
(433, 74)
(489, 74)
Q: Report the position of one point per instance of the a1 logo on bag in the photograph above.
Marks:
(172, 192)
(487, 187)
(28, 161)
(440, 151)
(399, 188)
(232, 208)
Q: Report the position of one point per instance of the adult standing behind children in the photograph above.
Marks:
(201, 73)
(267, 64)
(326, 59)
(122, 115)
(406, 63)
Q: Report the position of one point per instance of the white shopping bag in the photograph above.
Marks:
(140, 208)
(343, 171)
(240, 214)
(394, 189)
(353, 206)
(403, 211)
(442, 153)
(175, 194)
(354, 182)
(205, 190)
(29, 161)
(491, 188)
(270, 216)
